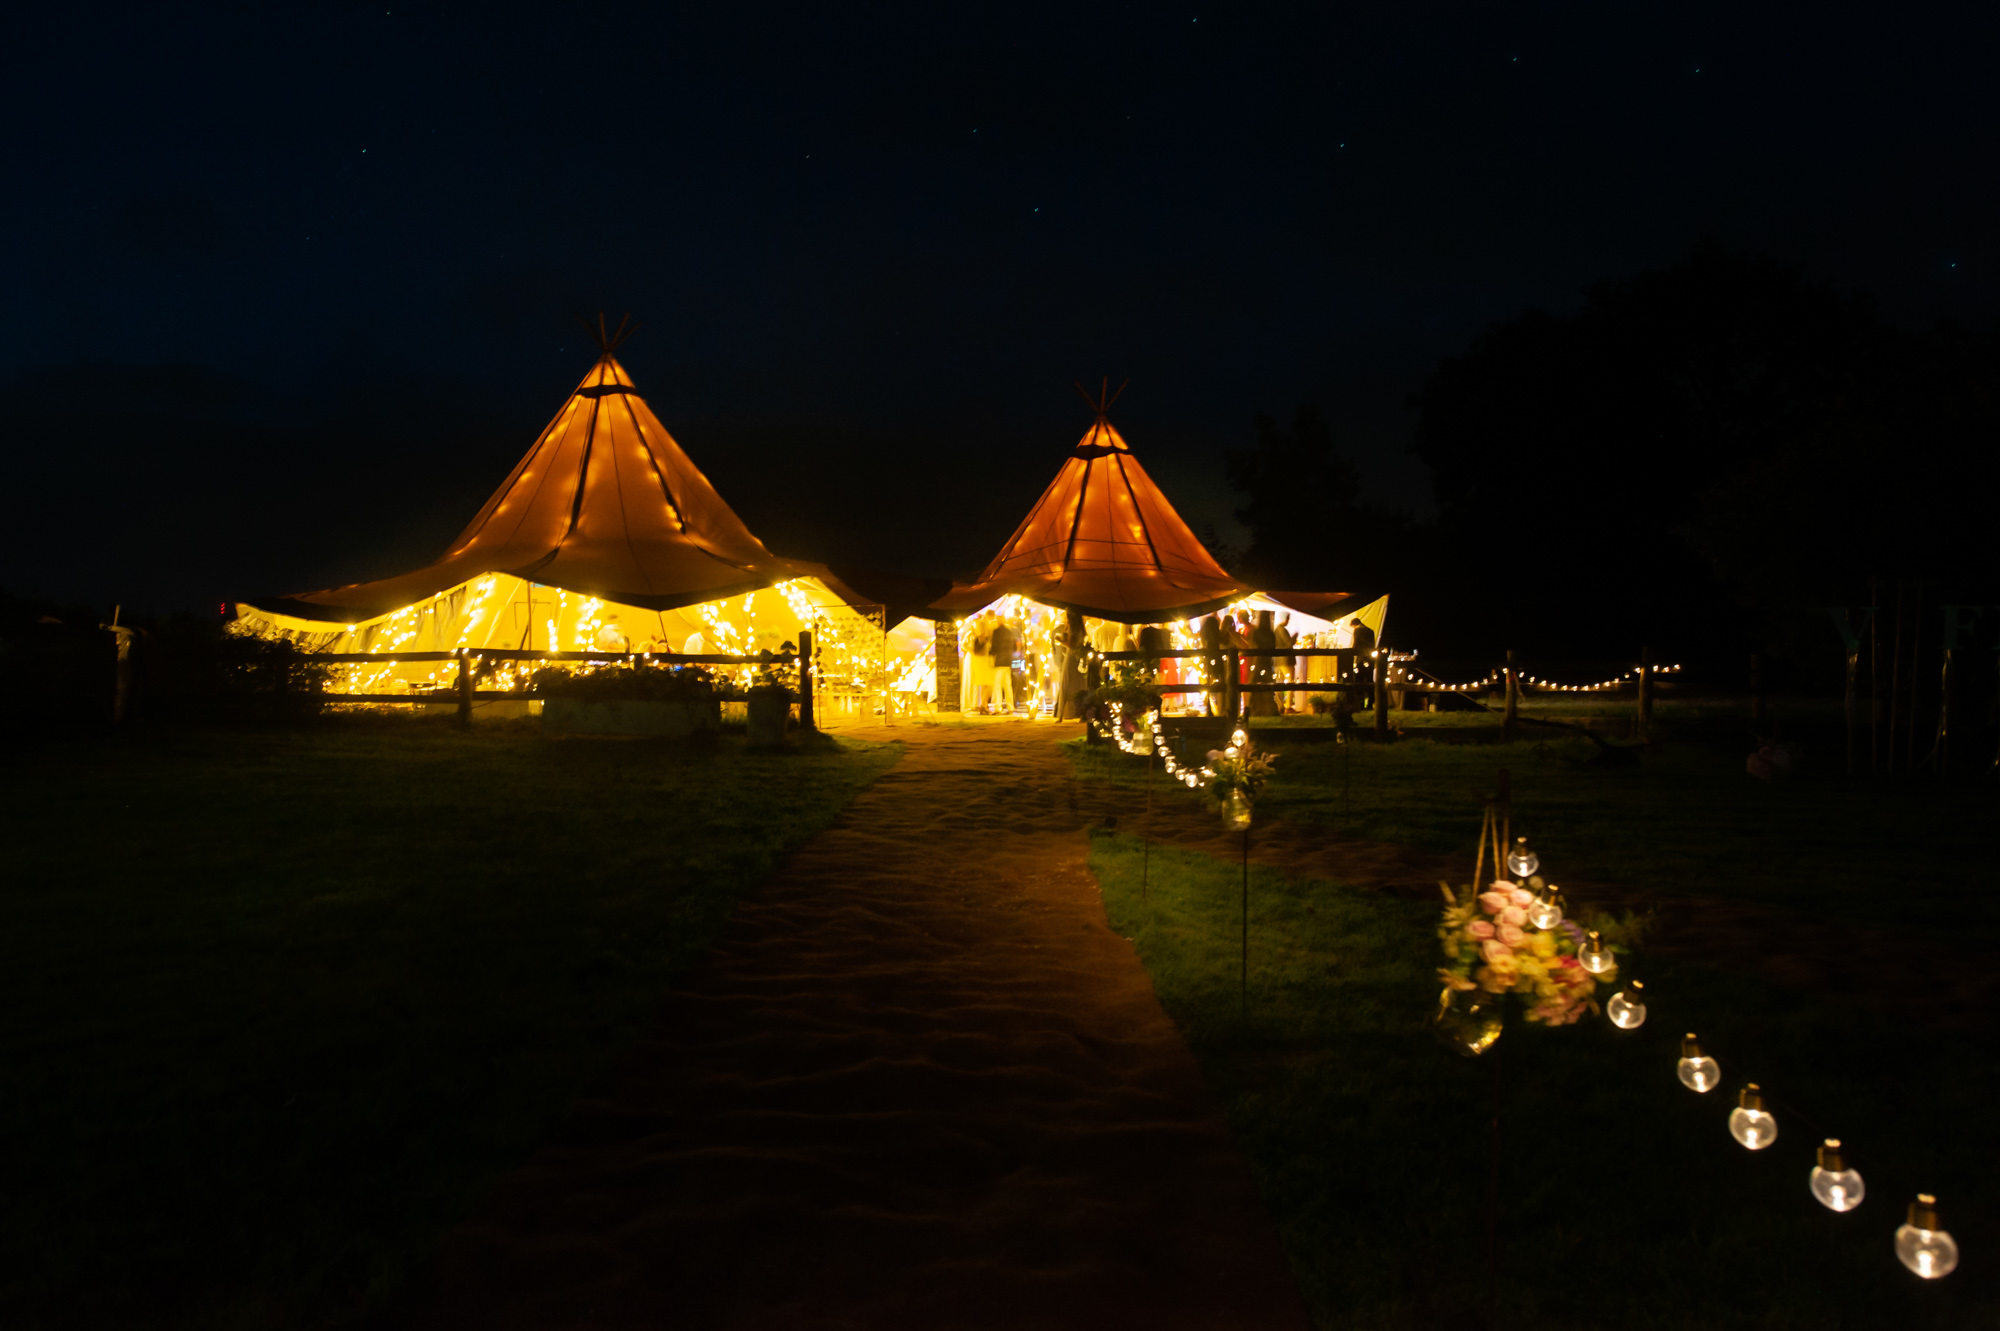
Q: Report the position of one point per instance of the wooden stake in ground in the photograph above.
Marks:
(1146, 830)
(1513, 700)
(1381, 692)
(1874, 677)
(1493, 1196)
(1479, 856)
(1896, 681)
(1246, 924)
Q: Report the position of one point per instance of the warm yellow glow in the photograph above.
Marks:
(495, 610)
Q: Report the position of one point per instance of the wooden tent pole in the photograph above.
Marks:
(1072, 654)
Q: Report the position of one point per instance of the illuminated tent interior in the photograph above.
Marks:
(604, 537)
(1103, 542)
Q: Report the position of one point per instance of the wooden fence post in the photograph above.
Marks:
(464, 687)
(1513, 699)
(1853, 666)
(1231, 666)
(1941, 751)
(1916, 674)
(1645, 692)
(1381, 692)
(806, 723)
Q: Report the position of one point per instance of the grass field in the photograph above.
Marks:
(1622, 1201)
(1914, 856)
(276, 1007)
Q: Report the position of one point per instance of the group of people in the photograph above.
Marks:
(1000, 667)
(1265, 631)
(991, 650)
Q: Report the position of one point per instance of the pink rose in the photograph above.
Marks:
(1479, 929)
(1497, 953)
(1522, 897)
(1514, 915)
(1494, 902)
(1511, 936)
(1501, 885)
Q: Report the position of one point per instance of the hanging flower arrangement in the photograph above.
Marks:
(1492, 945)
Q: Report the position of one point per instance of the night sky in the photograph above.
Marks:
(871, 248)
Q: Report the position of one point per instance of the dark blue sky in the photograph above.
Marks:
(872, 247)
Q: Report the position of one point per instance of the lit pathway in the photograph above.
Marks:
(920, 1084)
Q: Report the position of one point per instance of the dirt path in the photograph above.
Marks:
(919, 1084)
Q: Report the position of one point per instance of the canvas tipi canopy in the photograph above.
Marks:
(1103, 540)
(604, 537)
(1104, 548)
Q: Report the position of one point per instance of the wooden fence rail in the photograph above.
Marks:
(465, 695)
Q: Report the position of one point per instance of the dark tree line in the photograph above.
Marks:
(1700, 459)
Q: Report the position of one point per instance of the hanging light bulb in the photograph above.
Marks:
(1921, 1245)
(1837, 1187)
(1750, 1123)
(1698, 1072)
(1522, 860)
(1593, 956)
(1545, 911)
(1627, 1008)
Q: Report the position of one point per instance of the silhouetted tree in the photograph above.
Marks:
(1310, 529)
(1698, 459)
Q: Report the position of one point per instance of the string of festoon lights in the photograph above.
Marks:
(1616, 681)
(1476, 686)
(1921, 1242)
(1499, 676)
(1194, 778)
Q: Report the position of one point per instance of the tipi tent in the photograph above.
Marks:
(1103, 540)
(1105, 549)
(604, 537)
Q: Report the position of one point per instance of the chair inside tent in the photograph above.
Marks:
(1104, 543)
(605, 537)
